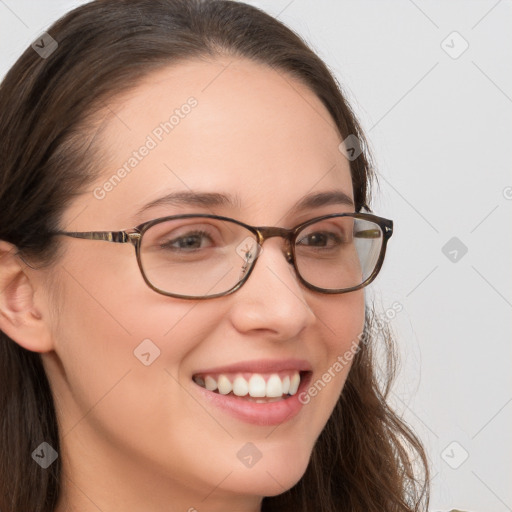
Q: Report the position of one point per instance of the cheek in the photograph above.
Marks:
(114, 337)
(342, 321)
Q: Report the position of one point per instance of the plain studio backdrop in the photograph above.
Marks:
(431, 82)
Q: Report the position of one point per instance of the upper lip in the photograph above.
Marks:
(260, 366)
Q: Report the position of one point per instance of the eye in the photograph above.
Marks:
(320, 239)
(192, 240)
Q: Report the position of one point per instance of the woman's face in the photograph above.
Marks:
(137, 430)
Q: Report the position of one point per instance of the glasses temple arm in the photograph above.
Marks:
(107, 236)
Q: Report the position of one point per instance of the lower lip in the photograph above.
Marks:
(262, 414)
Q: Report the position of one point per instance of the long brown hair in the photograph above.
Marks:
(366, 458)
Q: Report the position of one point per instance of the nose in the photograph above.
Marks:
(272, 299)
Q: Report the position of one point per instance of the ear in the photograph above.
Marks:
(21, 315)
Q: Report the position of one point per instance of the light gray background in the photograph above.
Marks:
(441, 131)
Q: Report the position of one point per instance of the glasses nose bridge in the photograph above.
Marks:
(266, 232)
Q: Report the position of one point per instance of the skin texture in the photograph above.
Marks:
(138, 437)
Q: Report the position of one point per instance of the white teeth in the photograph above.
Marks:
(263, 400)
(240, 386)
(286, 385)
(294, 383)
(273, 388)
(224, 385)
(257, 386)
(210, 383)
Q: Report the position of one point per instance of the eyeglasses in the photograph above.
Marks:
(200, 256)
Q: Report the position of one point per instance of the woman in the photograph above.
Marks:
(226, 363)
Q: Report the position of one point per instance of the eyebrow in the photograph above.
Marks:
(212, 199)
(189, 198)
(322, 199)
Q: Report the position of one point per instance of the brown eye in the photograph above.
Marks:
(320, 239)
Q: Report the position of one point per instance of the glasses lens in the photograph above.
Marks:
(338, 252)
(196, 257)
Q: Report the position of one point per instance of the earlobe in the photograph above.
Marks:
(20, 316)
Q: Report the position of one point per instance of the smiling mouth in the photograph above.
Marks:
(253, 387)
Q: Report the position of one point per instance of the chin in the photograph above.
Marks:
(279, 473)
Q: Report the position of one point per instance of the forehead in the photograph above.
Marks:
(229, 126)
